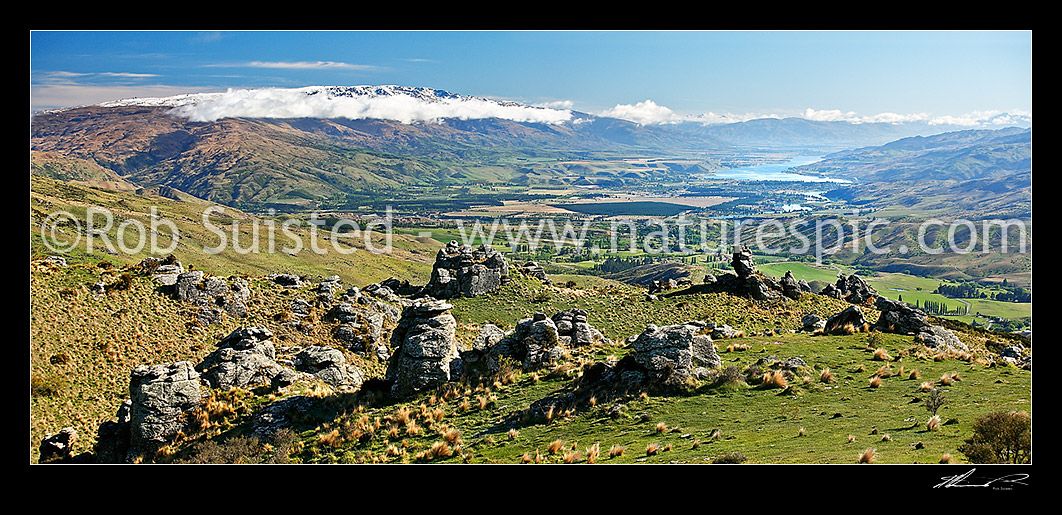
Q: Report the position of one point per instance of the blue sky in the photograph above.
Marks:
(707, 75)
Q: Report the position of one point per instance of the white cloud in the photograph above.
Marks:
(836, 115)
(315, 102)
(643, 113)
(310, 65)
(557, 104)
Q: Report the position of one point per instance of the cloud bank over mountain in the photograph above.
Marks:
(403, 104)
(648, 112)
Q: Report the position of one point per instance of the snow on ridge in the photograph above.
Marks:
(401, 103)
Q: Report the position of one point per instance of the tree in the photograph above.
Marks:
(1000, 437)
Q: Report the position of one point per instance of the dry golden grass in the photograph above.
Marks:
(440, 450)
(616, 450)
(513, 434)
(826, 376)
(867, 456)
(775, 379)
(914, 375)
(555, 446)
(332, 438)
(652, 449)
(881, 355)
(592, 452)
(945, 458)
(571, 456)
(875, 382)
(452, 436)
(934, 423)
(661, 427)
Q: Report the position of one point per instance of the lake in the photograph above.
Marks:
(773, 172)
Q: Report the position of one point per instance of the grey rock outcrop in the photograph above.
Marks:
(56, 260)
(279, 414)
(669, 353)
(159, 396)
(573, 330)
(1015, 355)
(165, 271)
(213, 295)
(851, 319)
(58, 447)
(364, 322)
(243, 358)
(329, 365)
(746, 281)
(661, 359)
(812, 323)
(852, 289)
(424, 344)
(326, 290)
(113, 436)
(534, 343)
(791, 287)
(898, 317)
(461, 271)
(289, 280)
(533, 269)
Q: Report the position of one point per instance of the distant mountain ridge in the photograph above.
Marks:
(294, 145)
(961, 156)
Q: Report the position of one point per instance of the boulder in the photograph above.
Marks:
(742, 263)
(669, 353)
(244, 358)
(899, 317)
(812, 323)
(160, 395)
(534, 343)
(113, 436)
(58, 447)
(849, 320)
(573, 330)
(461, 271)
(329, 365)
(852, 289)
(213, 295)
(424, 343)
(360, 328)
(289, 280)
(533, 269)
(790, 286)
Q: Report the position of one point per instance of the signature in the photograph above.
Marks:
(958, 481)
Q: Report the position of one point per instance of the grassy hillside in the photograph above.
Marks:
(348, 255)
(806, 421)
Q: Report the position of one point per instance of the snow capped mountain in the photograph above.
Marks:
(388, 102)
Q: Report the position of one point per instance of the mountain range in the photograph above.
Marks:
(260, 146)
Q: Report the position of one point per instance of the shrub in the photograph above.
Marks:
(45, 386)
(728, 375)
(935, 400)
(1000, 437)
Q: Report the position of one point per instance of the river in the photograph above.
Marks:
(773, 172)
